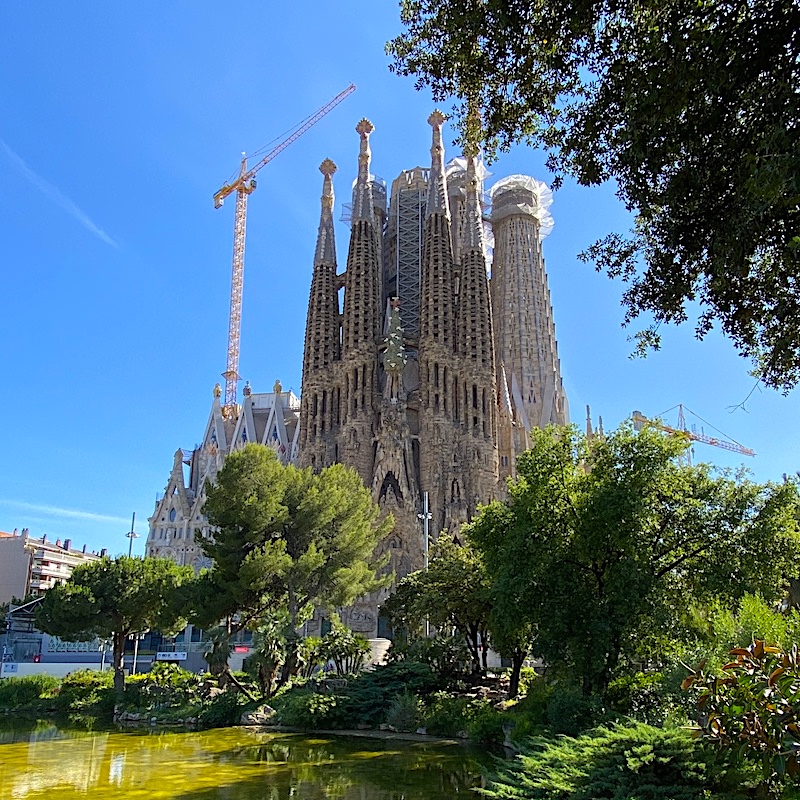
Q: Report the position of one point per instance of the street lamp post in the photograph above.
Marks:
(131, 535)
(426, 517)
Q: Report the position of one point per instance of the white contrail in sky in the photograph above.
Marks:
(70, 513)
(56, 195)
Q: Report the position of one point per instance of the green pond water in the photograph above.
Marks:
(44, 760)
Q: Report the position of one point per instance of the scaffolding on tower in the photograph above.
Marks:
(244, 184)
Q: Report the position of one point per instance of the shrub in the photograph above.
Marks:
(640, 696)
(365, 700)
(371, 693)
(164, 686)
(752, 712)
(25, 691)
(347, 650)
(527, 677)
(569, 712)
(305, 709)
(87, 691)
(613, 763)
(445, 655)
(221, 711)
(487, 726)
(535, 702)
(405, 712)
(447, 715)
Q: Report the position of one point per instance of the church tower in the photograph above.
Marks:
(526, 350)
(441, 444)
(478, 394)
(320, 402)
(360, 322)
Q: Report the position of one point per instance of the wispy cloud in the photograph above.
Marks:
(63, 513)
(56, 195)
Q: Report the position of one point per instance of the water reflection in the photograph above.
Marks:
(226, 764)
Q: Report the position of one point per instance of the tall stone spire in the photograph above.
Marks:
(361, 320)
(439, 382)
(322, 323)
(437, 186)
(322, 333)
(476, 365)
(474, 319)
(438, 289)
(326, 245)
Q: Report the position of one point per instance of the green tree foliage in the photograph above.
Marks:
(617, 763)
(269, 651)
(452, 593)
(346, 650)
(286, 538)
(752, 711)
(689, 106)
(753, 619)
(601, 546)
(112, 599)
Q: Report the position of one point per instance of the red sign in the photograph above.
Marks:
(241, 649)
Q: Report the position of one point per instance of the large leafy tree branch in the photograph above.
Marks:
(690, 106)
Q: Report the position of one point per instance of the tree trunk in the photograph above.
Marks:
(474, 649)
(235, 681)
(292, 643)
(118, 656)
(517, 658)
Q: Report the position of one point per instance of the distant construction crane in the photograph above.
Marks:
(244, 185)
(639, 421)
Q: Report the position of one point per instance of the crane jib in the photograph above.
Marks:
(243, 186)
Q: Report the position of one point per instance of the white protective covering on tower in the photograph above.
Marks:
(540, 194)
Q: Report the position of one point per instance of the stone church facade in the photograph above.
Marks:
(428, 376)
(419, 371)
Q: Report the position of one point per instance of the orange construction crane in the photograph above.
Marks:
(244, 185)
(639, 421)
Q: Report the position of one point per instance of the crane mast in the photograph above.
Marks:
(245, 185)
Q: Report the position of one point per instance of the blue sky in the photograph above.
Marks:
(118, 122)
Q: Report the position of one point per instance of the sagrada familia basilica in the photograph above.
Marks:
(426, 378)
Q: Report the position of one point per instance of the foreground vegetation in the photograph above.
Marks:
(626, 574)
